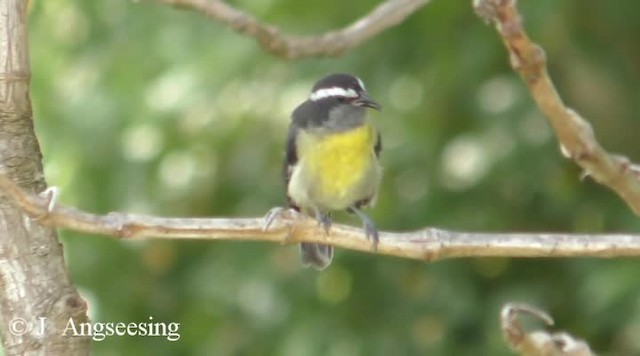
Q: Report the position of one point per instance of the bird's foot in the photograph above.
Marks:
(278, 212)
(324, 220)
(369, 227)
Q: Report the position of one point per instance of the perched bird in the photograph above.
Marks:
(332, 158)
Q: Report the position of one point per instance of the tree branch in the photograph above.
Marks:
(577, 140)
(332, 43)
(537, 342)
(428, 244)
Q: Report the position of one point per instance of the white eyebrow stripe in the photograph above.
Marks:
(335, 91)
(361, 84)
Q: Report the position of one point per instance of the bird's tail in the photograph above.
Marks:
(318, 256)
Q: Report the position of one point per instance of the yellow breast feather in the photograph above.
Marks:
(338, 162)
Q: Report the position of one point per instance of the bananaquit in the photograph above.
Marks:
(332, 158)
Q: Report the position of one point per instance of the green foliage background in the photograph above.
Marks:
(148, 109)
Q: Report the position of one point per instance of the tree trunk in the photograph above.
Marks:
(37, 298)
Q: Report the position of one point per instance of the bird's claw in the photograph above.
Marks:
(369, 227)
(275, 213)
(371, 233)
(324, 220)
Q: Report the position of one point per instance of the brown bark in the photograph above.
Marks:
(35, 288)
(575, 134)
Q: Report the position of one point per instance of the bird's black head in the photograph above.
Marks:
(345, 88)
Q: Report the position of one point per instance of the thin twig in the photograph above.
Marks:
(577, 140)
(538, 342)
(332, 43)
(427, 244)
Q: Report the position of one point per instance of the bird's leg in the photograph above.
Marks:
(324, 220)
(370, 231)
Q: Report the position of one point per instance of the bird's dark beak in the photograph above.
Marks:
(366, 101)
